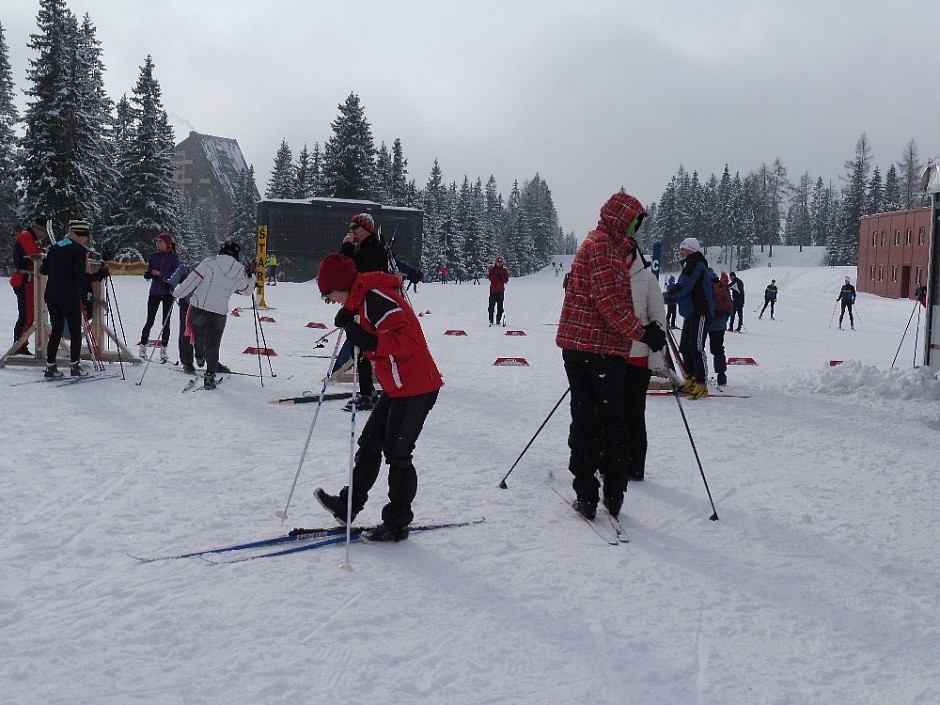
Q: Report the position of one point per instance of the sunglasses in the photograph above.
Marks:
(326, 297)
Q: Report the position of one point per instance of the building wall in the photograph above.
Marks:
(194, 176)
(893, 252)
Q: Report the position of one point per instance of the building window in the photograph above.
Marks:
(920, 235)
(884, 238)
(897, 236)
(881, 272)
(894, 273)
(871, 273)
(910, 236)
(920, 274)
(874, 239)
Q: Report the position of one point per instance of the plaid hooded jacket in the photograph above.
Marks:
(597, 315)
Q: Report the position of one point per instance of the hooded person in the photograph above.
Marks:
(390, 336)
(499, 277)
(209, 287)
(596, 330)
(692, 292)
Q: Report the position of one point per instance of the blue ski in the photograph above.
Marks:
(294, 535)
(355, 533)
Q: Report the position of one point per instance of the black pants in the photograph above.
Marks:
(771, 302)
(208, 328)
(737, 309)
(392, 430)
(636, 381)
(597, 436)
(692, 346)
(22, 311)
(846, 306)
(716, 343)
(496, 301)
(153, 303)
(58, 317)
(671, 314)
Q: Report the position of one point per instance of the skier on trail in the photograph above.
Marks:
(596, 329)
(737, 302)
(693, 293)
(65, 268)
(160, 267)
(389, 334)
(670, 305)
(847, 298)
(770, 298)
(209, 286)
(499, 277)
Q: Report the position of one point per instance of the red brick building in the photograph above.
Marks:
(893, 252)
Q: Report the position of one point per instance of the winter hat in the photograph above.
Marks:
(364, 220)
(39, 222)
(230, 248)
(733, 275)
(691, 244)
(499, 260)
(79, 227)
(619, 212)
(671, 280)
(167, 240)
(847, 281)
(336, 273)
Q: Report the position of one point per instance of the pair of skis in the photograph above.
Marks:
(310, 397)
(191, 384)
(296, 541)
(614, 537)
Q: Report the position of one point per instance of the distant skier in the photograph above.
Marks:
(737, 302)
(770, 297)
(499, 277)
(847, 297)
(670, 305)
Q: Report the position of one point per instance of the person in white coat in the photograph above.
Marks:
(649, 306)
(209, 286)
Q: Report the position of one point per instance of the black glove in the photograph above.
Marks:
(653, 337)
(361, 338)
(104, 273)
(343, 317)
(169, 287)
(148, 275)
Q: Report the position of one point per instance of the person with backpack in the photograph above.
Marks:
(770, 298)
(716, 331)
(847, 297)
(737, 302)
(693, 294)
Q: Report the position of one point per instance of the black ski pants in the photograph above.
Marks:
(153, 303)
(185, 344)
(692, 346)
(58, 317)
(208, 328)
(737, 309)
(392, 430)
(636, 383)
(597, 436)
(496, 301)
(846, 306)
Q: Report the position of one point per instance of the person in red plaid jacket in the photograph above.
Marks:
(595, 331)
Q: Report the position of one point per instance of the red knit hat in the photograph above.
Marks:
(336, 273)
(364, 220)
(167, 240)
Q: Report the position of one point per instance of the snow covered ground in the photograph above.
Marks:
(818, 583)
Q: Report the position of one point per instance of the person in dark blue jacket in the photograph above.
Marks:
(770, 299)
(693, 294)
(65, 287)
(847, 297)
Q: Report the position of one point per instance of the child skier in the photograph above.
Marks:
(390, 335)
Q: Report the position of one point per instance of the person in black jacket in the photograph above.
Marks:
(737, 302)
(363, 246)
(65, 288)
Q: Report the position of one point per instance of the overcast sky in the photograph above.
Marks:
(590, 94)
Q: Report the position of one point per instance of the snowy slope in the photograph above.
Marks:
(818, 584)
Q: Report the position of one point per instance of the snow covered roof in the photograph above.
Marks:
(226, 161)
(930, 181)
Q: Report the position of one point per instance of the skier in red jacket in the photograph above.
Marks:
(499, 277)
(26, 244)
(390, 335)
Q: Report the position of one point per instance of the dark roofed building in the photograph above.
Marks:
(207, 169)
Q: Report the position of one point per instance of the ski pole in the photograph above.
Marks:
(264, 343)
(904, 335)
(107, 301)
(714, 516)
(320, 342)
(345, 565)
(254, 311)
(166, 322)
(282, 514)
(502, 483)
(833, 313)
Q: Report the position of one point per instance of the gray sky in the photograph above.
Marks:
(591, 94)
